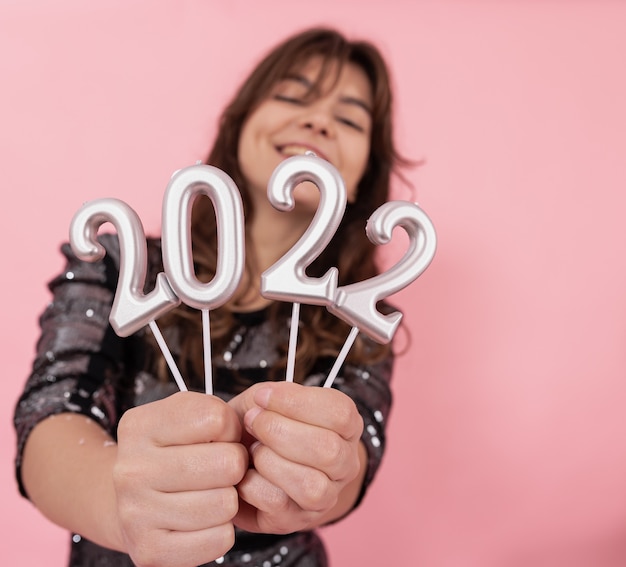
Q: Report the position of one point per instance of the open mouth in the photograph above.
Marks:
(289, 150)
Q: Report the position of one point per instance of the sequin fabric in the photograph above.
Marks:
(81, 366)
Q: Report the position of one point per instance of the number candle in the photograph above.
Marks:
(185, 185)
(286, 280)
(131, 309)
(356, 303)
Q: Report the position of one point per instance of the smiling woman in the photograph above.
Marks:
(150, 477)
(328, 114)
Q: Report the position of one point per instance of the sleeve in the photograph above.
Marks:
(78, 359)
(370, 389)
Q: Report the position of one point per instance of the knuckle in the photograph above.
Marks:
(128, 427)
(316, 493)
(126, 475)
(130, 514)
(354, 467)
(332, 451)
(220, 422)
(279, 523)
(229, 502)
(240, 463)
(359, 424)
(232, 462)
(146, 552)
(214, 420)
(225, 538)
(207, 413)
(345, 414)
(277, 500)
(349, 420)
(337, 458)
(276, 429)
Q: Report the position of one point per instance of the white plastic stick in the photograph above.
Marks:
(206, 341)
(293, 341)
(168, 356)
(345, 349)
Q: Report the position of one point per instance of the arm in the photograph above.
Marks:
(120, 495)
(66, 471)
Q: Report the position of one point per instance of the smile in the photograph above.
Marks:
(289, 150)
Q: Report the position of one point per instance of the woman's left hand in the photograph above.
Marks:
(306, 456)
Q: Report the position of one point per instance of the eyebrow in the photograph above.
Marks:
(342, 99)
(356, 102)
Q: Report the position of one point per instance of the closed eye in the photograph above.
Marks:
(350, 123)
(289, 99)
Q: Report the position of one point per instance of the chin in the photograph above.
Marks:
(307, 196)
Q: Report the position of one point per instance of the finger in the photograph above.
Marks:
(184, 549)
(308, 487)
(201, 466)
(305, 444)
(181, 419)
(264, 507)
(193, 510)
(324, 407)
(243, 402)
(263, 495)
(246, 518)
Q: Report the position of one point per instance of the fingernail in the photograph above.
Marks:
(262, 396)
(250, 416)
(254, 447)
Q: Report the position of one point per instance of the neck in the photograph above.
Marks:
(271, 234)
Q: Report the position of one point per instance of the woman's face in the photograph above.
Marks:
(336, 125)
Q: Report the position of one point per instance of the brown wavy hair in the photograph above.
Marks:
(321, 334)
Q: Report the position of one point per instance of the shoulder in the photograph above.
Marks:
(105, 271)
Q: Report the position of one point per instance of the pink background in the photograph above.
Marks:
(508, 439)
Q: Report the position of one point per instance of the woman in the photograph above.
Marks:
(143, 475)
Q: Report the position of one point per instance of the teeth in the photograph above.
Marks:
(294, 150)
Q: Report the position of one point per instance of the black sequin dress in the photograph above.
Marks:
(83, 367)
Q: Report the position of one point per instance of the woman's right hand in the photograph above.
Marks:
(178, 461)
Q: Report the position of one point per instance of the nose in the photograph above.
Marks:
(318, 120)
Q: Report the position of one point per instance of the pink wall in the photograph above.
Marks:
(507, 444)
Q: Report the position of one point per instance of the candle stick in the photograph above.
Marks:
(293, 342)
(345, 349)
(168, 356)
(206, 348)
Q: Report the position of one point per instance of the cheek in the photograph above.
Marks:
(242, 148)
(308, 194)
(246, 154)
(354, 171)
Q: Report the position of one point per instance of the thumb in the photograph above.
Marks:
(243, 402)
